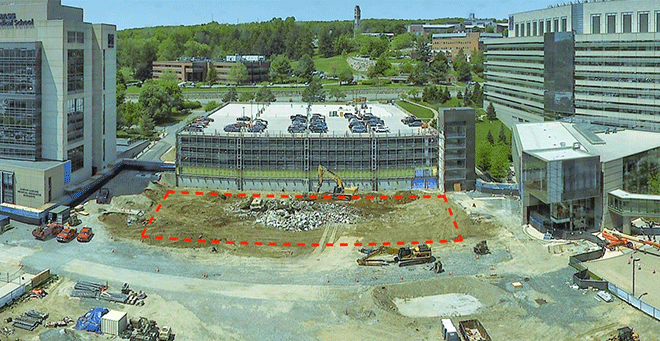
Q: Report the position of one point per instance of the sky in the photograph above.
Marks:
(146, 13)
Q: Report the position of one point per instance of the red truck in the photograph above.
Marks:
(43, 232)
(67, 235)
(85, 234)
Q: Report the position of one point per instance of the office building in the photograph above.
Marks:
(592, 62)
(195, 70)
(57, 102)
(577, 177)
(458, 125)
(451, 43)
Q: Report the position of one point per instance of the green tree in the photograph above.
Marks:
(477, 95)
(209, 106)
(337, 93)
(280, 69)
(265, 95)
(502, 138)
(406, 66)
(231, 95)
(305, 69)
(422, 51)
(380, 68)
(467, 96)
(446, 96)
(211, 74)
(419, 75)
(654, 183)
(131, 112)
(402, 41)
(313, 92)
(439, 67)
(346, 77)
(499, 164)
(477, 62)
(325, 44)
(238, 73)
(414, 92)
(120, 98)
(146, 124)
(483, 156)
(490, 138)
(342, 44)
(168, 76)
(195, 49)
(490, 112)
(246, 96)
(462, 67)
(158, 99)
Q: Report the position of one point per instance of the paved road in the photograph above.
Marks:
(163, 145)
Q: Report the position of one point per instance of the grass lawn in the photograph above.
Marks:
(416, 110)
(482, 128)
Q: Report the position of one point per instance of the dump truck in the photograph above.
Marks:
(43, 232)
(473, 330)
(404, 256)
(67, 235)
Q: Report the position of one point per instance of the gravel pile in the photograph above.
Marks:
(299, 215)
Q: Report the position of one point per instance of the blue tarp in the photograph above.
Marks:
(91, 321)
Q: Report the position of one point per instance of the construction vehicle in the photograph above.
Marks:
(625, 334)
(473, 330)
(404, 256)
(257, 205)
(85, 234)
(339, 188)
(103, 196)
(615, 238)
(43, 232)
(67, 235)
(74, 220)
(482, 248)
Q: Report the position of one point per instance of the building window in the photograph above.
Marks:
(564, 24)
(595, 24)
(643, 22)
(77, 158)
(548, 25)
(541, 27)
(7, 193)
(528, 31)
(517, 30)
(111, 41)
(71, 37)
(611, 23)
(627, 22)
(556, 25)
(76, 70)
(535, 29)
(75, 120)
(80, 37)
(657, 21)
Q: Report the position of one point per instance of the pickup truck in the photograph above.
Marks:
(85, 234)
(67, 235)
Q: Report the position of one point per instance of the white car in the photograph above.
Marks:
(380, 129)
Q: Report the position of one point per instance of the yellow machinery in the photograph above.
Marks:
(405, 256)
(339, 188)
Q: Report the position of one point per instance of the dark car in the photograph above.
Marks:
(415, 124)
(359, 128)
(232, 128)
(408, 119)
(244, 118)
(297, 128)
(261, 121)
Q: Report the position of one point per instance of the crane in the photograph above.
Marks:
(339, 188)
(615, 238)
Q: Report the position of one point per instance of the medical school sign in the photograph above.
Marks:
(8, 20)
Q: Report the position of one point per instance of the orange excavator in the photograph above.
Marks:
(615, 238)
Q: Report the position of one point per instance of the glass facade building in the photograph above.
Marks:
(20, 101)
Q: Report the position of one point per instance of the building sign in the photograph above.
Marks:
(29, 193)
(9, 20)
(511, 23)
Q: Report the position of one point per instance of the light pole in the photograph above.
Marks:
(633, 275)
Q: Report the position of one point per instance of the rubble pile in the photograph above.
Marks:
(299, 215)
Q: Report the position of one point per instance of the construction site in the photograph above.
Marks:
(313, 266)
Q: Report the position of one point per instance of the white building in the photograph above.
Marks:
(596, 62)
(57, 101)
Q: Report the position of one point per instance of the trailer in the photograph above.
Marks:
(10, 292)
(473, 330)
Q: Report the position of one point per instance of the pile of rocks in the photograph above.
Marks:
(300, 215)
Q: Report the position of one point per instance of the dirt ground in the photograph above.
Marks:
(215, 218)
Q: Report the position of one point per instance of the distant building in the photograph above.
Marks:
(596, 62)
(471, 24)
(451, 43)
(458, 125)
(356, 18)
(581, 177)
(57, 103)
(195, 70)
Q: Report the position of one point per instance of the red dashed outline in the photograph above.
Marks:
(143, 235)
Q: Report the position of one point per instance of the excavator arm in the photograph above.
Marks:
(340, 183)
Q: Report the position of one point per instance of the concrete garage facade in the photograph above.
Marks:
(404, 158)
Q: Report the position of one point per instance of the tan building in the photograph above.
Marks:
(196, 70)
(57, 102)
(453, 42)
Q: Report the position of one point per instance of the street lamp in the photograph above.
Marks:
(640, 296)
(633, 275)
